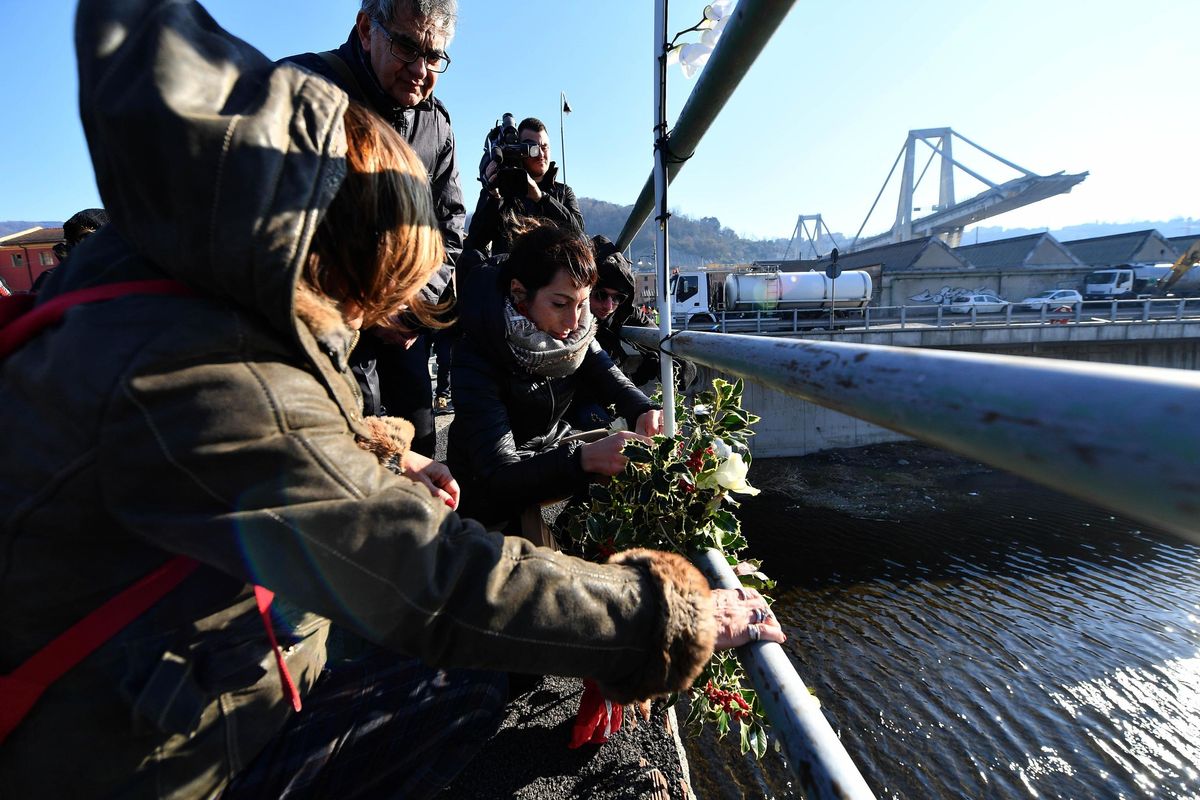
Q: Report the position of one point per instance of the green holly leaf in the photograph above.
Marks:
(600, 494)
(637, 452)
(758, 741)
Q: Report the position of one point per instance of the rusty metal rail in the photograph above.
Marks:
(814, 751)
(1125, 438)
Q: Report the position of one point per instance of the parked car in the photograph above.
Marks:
(1053, 298)
(982, 303)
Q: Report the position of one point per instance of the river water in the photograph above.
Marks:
(978, 636)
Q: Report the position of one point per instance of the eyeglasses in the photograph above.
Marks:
(406, 51)
(608, 295)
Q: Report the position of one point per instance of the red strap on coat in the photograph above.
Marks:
(22, 687)
(20, 321)
(263, 597)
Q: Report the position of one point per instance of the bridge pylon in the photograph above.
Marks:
(949, 217)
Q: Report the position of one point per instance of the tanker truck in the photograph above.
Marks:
(700, 299)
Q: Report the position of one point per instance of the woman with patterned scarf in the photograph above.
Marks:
(528, 343)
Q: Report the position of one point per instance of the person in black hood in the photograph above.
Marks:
(612, 307)
(528, 345)
(80, 226)
(391, 62)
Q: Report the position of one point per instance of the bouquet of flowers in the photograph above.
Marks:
(677, 494)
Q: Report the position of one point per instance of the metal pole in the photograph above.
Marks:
(1073, 426)
(744, 36)
(667, 375)
(562, 133)
(814, 751)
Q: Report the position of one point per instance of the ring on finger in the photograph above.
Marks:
(754, 633)
(758, 615)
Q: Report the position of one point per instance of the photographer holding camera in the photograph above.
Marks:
(518, 181)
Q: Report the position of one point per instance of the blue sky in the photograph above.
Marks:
(1108, 87)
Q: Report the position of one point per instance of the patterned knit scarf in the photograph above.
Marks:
(541, 353)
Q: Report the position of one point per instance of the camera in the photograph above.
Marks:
(503, 149)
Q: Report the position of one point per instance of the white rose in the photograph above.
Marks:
(721, 450)
(731, 475)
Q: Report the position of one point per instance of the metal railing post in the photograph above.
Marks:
(658, 186)
(814, 751)
(747, 32)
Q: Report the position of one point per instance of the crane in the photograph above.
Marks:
(1189, 259)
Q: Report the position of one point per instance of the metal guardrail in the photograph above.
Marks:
(1124, 438)
(924, 317)
(813, 749)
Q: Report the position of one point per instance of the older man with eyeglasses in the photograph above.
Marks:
(391, 63)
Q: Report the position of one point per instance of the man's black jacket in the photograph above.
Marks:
(390, 378)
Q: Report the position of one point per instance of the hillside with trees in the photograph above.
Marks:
(694, 242)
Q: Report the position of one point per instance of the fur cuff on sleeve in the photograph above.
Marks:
(686, 627)
(389, 439)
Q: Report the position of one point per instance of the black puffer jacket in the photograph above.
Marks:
(505, 444)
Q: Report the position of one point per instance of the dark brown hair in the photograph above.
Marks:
(378, 242)
(541, 250)
(532, 124)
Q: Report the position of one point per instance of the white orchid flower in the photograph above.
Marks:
(693, 57)
(719, 9)
(731, 475)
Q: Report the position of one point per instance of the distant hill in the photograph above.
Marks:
(1179, 226)
(702, 241)
(12, 226)
(694, 242)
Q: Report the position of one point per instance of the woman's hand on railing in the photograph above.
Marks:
(434, 475)
(649, 423)
(743, 616)
(604, 457)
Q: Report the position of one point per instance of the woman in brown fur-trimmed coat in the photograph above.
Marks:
(223, 424)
